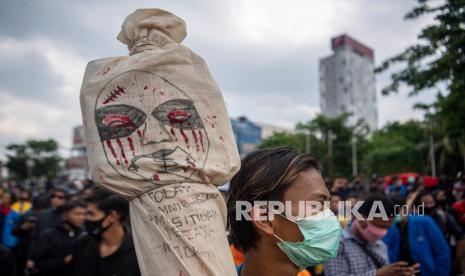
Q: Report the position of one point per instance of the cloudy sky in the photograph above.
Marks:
(263, 54)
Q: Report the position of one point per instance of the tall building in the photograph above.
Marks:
(347, 82)
(76, 164)
(247, 133)
(250, 134)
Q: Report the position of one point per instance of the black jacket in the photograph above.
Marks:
(87, 260)
(7, 262)
(53, 246)
(48, 219)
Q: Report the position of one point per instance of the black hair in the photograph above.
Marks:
(264, 175)
(107, 202)
(370, 200)
(60, 190)
(418, 201)
(40, 202)
(351, 194)
(70, 205)
(336, 193)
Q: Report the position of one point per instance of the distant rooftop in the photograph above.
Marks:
(358, 47)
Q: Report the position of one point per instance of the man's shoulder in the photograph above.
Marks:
(49, 232)
(85, 240)
(46, 213)
(420, 221)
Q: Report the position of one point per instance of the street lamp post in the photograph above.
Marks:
(354, 156)
(30, 166)
(308, 145)
(433, 158)
(330, 138)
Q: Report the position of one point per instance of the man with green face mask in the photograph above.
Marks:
(288, 240)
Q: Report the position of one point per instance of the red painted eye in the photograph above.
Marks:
(178, 116)
(117, 120)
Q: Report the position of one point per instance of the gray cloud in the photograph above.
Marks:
(30, 77)
(259, 60)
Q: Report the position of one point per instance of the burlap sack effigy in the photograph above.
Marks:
(157, 132)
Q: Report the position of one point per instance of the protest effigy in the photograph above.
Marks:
(158, 133)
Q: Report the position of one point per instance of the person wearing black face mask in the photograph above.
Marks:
(108, 248)
(95, 228)
(55, 245)
(446, 222)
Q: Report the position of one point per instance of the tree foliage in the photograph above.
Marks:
(398, 147)
(438, 58)
(395, 148)
(43, 154)
(330, 140)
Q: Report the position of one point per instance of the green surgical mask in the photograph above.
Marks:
(321, 232)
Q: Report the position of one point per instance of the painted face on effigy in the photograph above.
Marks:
(150, 130)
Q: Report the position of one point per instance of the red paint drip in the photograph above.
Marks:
(110, 146)
(191, 164)
(156, 177)
(145, 87)
(174, 134)
(196, 140)
(139, 133)
(106, 71)
(201, 139)
(131, 146)
(186, 140)
(123, 154)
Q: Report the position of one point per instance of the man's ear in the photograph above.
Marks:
(260, 220)
(112, 217)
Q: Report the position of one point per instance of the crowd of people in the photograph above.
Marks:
(421, 235)
(86, 231)
(63, 232)
(426, 228)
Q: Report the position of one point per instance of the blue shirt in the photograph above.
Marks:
(239, 268)
(426, 244)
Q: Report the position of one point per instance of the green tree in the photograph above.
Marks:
(330, 141)
(438, 59)
(334, 148)
(43, 154)
(398, 147)
(283, 139)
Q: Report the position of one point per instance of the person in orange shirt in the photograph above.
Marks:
(239, 257)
